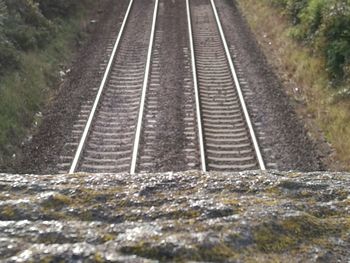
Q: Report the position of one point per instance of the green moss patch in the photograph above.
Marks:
(57, 201)
(280, 235)
(7, 213)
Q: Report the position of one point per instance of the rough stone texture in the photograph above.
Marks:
(231, 217)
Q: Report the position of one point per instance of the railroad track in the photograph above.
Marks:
(229, 139)
(108, 138)
(123, 126)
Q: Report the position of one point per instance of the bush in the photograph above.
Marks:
(27, 12)
(25, 26)
(311, 18)
(336, 38)
(324, 25)
(8, 57)
(291, 8)
(27, 37)
(58, 8)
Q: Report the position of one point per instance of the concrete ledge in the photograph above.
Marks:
(258, 216)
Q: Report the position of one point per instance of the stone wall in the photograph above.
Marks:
(258, 216)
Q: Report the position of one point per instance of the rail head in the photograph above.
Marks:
(143, 93)
(196, 90)
(87, 128)
(238, 89)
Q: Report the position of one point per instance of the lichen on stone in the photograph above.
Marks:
(191, 216)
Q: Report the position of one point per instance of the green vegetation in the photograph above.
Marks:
(7, 213)
(308, 41)
(35, 39)
(165, 252)
(291, 232)
(57, 201)
(324, 26)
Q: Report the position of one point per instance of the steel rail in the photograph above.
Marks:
(144, 91)
(239, 90)
(195, 84)
(99, 93)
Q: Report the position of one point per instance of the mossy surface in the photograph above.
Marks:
(57, 201)
(7, 213)
(280, 235)
(177, 217)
